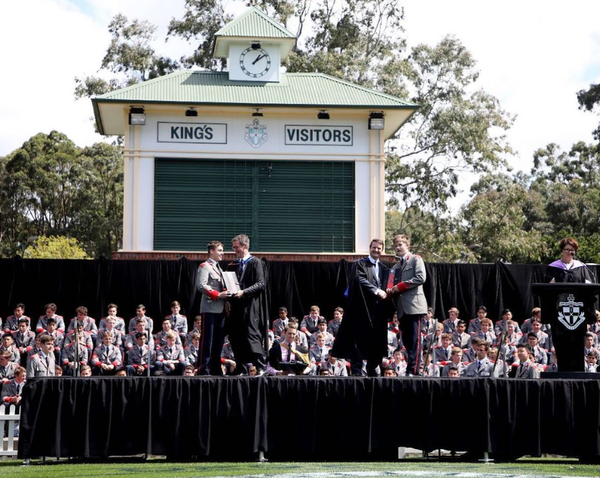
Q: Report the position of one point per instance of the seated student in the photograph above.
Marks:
(319, 352)
(540, 356)
(50, 314)
(71, 360)
(171, 355)
(301, 338)
(513, 336)
(544, 340)
(106, 357)
(486, 334)
(24, 339)
(595, 327)
(321, 329)
(398, 363)
(450, 323)
(443, 352)
(11, 390)
(119, 322)
(109, 325)
(453, 371)
(140, 356)
(7, 367)
(589, 343)
(121, 372)
(84, 337)
(394, 324)
(524, 368)
(228, 364)
(392, 343)
(436, 339)
(86, 371)
(58, 371)
(160, 339)
(140, 313)
(59, 337)
(482, 366)
(42, 364)
(89, 324)
(140, 327)
(500, 366)
(591, 361)
(12, 322)
(337, 368)
(501, 324)
(324, 372)
(192, 351)
(178, 322)
(460, 338)
(455, 362)
(536, 314)
(507, 351)
(280, 323)
(310, 321)
(285, 352)
(428, 323)
(197, 329)
(475, 324)
(471, 353)
(389, 371)
(333, 326)
(9, 346)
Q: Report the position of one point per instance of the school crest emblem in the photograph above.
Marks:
(256, 134)
(570, 313)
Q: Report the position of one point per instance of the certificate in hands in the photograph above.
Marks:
(231, 282)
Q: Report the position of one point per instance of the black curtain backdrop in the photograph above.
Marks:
(295, 285)
(301, 418)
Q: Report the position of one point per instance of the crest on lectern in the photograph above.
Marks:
(570, 313)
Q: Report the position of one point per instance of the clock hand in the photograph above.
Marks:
(259, 57)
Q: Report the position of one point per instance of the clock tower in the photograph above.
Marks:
(254, 46)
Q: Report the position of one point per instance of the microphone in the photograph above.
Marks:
(572, 254)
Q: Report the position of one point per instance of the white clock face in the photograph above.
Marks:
(255, 63)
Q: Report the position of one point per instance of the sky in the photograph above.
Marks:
(532, 55)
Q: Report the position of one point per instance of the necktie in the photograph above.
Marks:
(520, 370)
(47, 362)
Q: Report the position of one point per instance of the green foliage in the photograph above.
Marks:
(52, 187)
(589, 100)
(55, 247)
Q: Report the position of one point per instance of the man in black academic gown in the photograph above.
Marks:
(363, 332)
(247, 324)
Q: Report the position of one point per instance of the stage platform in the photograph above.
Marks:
(308, 418)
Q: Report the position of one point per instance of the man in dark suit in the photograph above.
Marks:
(406, 282)
(247, 325)
(363, 332)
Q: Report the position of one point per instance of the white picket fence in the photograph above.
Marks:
(10, 416)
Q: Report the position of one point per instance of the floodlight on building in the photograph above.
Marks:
(323, 115)
(376, 120)
(191, 112)
(137, 115)
(257, 112)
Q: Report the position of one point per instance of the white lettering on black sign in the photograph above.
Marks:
(214, 133)
(308, 135)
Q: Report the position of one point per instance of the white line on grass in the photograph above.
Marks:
(405, 474)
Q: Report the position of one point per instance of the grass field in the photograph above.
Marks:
(404, 469)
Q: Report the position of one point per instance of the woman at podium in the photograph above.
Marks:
(567, 268)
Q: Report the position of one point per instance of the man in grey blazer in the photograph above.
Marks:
(210, 283)
(482, 366)
(406, 282)
(525, 368)
(42, 364)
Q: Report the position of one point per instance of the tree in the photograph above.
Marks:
(494, 223)
(55, 247)
(588, 100)
(52, 187)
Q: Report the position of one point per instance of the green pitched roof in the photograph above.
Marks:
(254, 24)
(295, 89)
